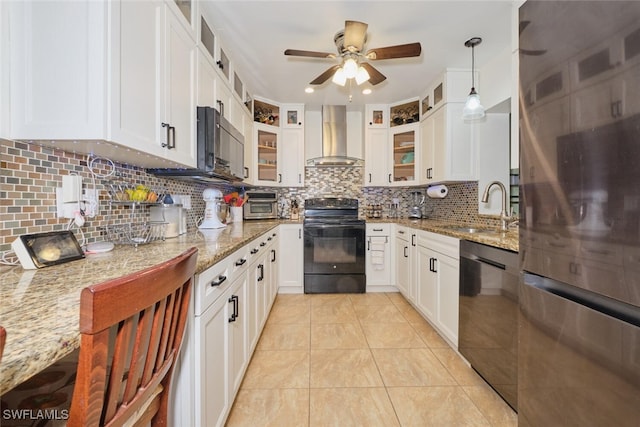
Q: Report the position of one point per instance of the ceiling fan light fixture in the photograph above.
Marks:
(473, 109)
(350, 68)
(340, 77)
(362, 75)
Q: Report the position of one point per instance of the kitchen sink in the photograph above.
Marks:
(471, 230)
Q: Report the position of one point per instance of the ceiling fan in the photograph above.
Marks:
(350, 43)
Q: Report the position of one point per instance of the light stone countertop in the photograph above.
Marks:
(40, 308)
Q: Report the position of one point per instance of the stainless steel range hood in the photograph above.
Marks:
(334, 139)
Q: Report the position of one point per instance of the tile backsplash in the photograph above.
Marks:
(30, 175)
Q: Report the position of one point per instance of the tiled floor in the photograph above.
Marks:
(359, 360)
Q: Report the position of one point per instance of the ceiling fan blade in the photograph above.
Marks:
(325, 76)
(355, 34)
(533, 52)
(375, 76)
(308, 53)
(391, 52)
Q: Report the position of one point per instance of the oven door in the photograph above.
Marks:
(334, 248)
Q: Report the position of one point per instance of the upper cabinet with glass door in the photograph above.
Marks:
(266, 117)
(403, 146)
(186, 9)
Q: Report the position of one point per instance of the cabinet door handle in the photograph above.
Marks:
(168, 138)
(240, 262)
(368, 245)
(299, 234)
(299, 178)
(246, 172)
(218, 281)
(389, 177)
(221, 106)
(279, 177)
(613, 109)
(405, 252)
(369, 177)
(233, 316)
(254, 251)
(220, 65)
(261, 276)
(273, 255)
(413, 242)
(400, 232)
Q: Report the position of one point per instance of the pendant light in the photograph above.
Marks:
(473, 109)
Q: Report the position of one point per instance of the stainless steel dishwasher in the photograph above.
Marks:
(488, 316)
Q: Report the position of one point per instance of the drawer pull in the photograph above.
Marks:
(263, 244)
(378, 229)
(218, 282)
(240, 262)
(254, 251)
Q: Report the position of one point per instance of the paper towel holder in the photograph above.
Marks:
(437, 191)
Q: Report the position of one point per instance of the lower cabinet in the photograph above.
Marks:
(403, 261)
(379, 268)
(291, 273)
(438, 269)
(232, 300)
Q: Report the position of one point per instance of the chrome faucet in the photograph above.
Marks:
(504, 216)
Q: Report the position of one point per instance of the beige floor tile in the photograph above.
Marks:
(292, 299)
(492, 406)
(435, 406)
(411, 314)
(285, 336)
(378, 314)
(280, 407)
(344, 407)
(395, 297)
(343, 368)
(290, 313)
(337, 335)
(429, 335)
(332, 312)
(411, 367)
(462, 373)
(378, 298)
(392, 335)
(278, 369)
(324, 299)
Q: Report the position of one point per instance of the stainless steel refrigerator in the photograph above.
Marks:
(579, 320)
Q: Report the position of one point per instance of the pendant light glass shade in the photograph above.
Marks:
(473, 109)
(350, 68)
(339, 77)
(362, 75)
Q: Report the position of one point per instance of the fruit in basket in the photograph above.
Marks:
(152, 196)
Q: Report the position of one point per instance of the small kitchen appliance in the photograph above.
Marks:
(173, 215)
(261, 205)
(417, 200)
(214, 204)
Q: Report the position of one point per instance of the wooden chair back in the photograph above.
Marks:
(131, 329)
(3, 338)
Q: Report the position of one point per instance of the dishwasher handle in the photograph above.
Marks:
(490, 262)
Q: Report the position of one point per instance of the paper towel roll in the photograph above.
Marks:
(437, 191)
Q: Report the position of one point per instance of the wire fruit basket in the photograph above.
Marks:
(136, 234)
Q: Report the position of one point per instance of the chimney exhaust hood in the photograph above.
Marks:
(334, 139)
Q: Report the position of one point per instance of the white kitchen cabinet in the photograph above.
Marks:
(291, 158)
(136, 57)
(379, 266)
(266, 145)
(376, 169)
(291, 248)
(376, 116)
(237, 339)
(293, 116)
(206, 96)
(438, 270)
(405, 259)
(404, 152)
(450, 86)
(449, 146)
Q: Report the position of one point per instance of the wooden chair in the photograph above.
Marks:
(131, 329)
(3, 338)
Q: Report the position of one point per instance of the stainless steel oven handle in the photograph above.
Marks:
(325, 226)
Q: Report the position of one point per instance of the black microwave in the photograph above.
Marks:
(220, 151)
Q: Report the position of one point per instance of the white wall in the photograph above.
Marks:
(495, 79)
(493, 160)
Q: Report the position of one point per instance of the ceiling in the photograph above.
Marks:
(256, 33)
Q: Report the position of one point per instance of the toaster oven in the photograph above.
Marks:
(261, 205)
